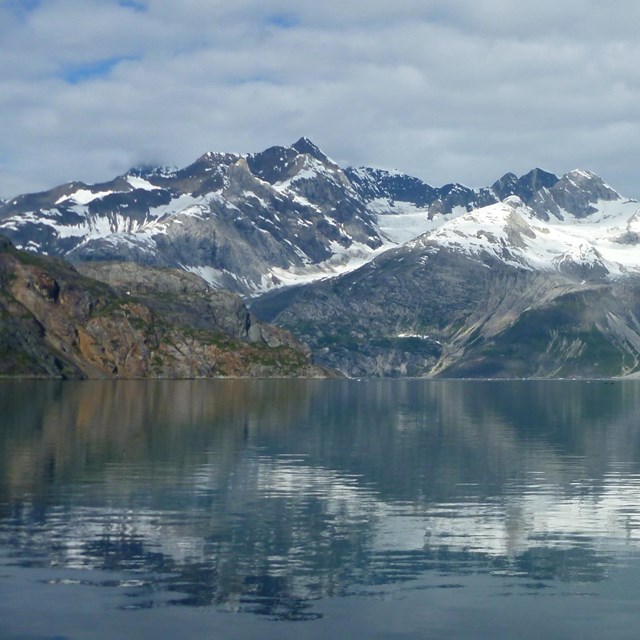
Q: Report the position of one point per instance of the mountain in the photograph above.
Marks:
(535, 275)
(149, 323)
(499, 291)
(245, 223)
(437, 312)
(526, 186)
(257, 222)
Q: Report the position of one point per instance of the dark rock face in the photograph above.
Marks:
(576, 192)
(372, 184)
(57, 322)
(456, 195)
(377, 183)
(525, 187)
(276, 164)
(425, 311)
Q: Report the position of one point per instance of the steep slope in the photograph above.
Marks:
(514, 234)
(240, 222)
(59, 323)
(535, 275)
(289, 215)
(495, 292)
(525, 187)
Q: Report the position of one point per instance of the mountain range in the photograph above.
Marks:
(379, 272)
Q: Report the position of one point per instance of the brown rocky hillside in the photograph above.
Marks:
(127, 321)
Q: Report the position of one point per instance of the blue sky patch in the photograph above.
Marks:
(283, 20)
(21, 7)
(136, 5)
(77, 74)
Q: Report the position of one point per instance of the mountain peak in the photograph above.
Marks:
(505, 186)
(525, 186)
(583, 179)
(582, 173)
(304, 145)
(150, 170)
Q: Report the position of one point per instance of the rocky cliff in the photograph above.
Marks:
(434, 312)
(379, 272)
(57, 322)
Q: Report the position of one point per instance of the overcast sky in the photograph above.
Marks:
(447, 90)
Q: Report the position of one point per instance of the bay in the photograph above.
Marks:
(312, 508)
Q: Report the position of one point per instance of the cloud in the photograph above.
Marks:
(454, 90)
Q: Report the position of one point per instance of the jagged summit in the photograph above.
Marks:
(304, 145)
(395, 276)
(578, 193)
(244, 222)
(150, 170)
(524, 186)
(506, 185)
(284, 215)
(375, 184)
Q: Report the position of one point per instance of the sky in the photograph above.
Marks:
(446, 90)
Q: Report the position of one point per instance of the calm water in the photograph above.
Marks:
(314, 509)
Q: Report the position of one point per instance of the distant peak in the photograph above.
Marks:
(215, 156)
(583, 178)
(149, 170)
(524, 186)
(583, 174)
(539, 178)
(304, 145)
(505, 186)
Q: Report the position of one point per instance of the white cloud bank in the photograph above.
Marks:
(454, 90)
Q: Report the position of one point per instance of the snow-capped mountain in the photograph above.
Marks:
(246, 223)
(601, 244)
(290, 215)
(536, 275)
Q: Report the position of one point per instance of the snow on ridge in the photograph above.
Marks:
(583, 173)
(310, 169)
(511, 232)
(181, 204)
(581, 254)
(140, 183)
(400, 222)
(212, 276)
(83, 196)
(343, 260)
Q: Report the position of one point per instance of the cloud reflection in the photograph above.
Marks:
(267, 496)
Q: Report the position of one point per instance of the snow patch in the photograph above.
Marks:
(140, 183)
(83, 196)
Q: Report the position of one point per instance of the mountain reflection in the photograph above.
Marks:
(265, 496)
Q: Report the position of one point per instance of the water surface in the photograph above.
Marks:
(305, 509)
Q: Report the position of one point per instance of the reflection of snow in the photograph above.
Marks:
(278, 491)
(542, 515)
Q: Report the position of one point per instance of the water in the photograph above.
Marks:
(312, 509)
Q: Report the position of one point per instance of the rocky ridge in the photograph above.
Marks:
(287, 215)
(536, 275)
(240, 222)
(148, 323)
(433, 312)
